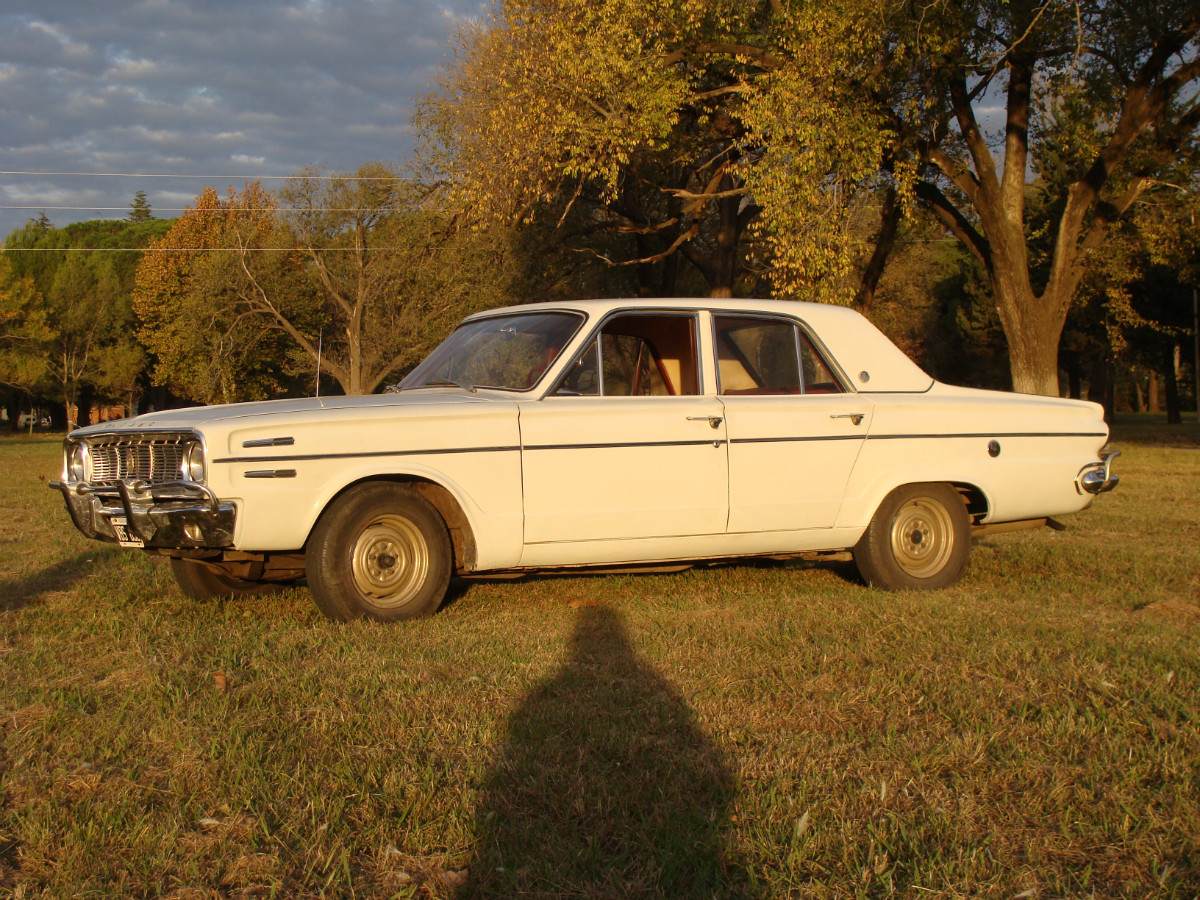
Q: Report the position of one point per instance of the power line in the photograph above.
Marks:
(214, 177)
(187, 249)
(125, 208)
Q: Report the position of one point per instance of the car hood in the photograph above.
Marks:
(197, 416)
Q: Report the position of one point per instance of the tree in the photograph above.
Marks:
(784, 119)
(24, 336)
(204, 345)
(360, 273)
(1107, 89)
(139, 209)
(660, 117)
(79, 304)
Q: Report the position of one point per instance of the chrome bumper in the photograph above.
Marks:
(177, 514)
(1098, 477)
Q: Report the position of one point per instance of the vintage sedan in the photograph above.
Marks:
(615, 434)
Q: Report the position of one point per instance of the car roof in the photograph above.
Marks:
(867, 356)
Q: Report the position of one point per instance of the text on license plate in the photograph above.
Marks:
(125, 537)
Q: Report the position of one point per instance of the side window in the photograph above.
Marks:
(631, 367)
(757, 356)
(769, 357)
(637, 355)
(818, 379)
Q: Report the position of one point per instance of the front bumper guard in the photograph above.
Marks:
(1098, 477)
(173, 515)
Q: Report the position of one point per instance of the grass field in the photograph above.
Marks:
(729, 731)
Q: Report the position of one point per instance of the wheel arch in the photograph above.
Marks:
(437, 495)
(975, 498)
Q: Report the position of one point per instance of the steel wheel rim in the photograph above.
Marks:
(389, 561)
(922, 537)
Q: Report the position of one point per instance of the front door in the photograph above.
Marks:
(625, 446)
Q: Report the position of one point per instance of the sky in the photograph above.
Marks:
(205, 87)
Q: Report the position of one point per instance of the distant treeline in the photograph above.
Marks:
(1009, 190)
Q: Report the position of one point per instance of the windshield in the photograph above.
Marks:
(510, 353)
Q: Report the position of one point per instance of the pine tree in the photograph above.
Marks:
(139, 209)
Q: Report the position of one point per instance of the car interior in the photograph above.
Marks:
(654, 355)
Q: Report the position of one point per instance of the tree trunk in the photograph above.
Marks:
(1033, 358)
(1033, 326)
(725, 257)
(1074, 376)
(885, 240)
(12, 405)
(83, 412)
(1153, 403)
(1139, 398)
(1174, 416)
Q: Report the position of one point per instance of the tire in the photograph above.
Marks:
(918, 539)
(379, 551)
(199, 582)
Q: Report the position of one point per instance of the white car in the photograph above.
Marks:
(604, 433)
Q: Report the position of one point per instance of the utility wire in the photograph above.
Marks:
(184, 249)
(125, 208)
(182, 175)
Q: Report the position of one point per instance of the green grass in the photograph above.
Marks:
(750, 731)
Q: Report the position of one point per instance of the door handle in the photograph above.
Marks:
(856, 418)
(713, 421)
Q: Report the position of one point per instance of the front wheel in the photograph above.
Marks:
(380, 551)
(919, 539)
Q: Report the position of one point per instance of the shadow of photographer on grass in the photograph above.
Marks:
(605, 785)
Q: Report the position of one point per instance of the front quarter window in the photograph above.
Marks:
(508, 353)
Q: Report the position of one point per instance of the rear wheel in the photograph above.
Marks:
(202, 582)
(919, 539)
(380, 551)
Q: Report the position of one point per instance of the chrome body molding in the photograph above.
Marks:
(270, 442)
(270, 473)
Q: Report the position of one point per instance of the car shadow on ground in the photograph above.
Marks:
(605, 785)
(16, 593)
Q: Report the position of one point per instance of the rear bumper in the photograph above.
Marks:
(1098, 477)
(172, 515)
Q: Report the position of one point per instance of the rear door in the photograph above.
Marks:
(626, 445)
(794, 430)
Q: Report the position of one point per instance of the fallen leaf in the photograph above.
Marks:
(801, 826)
(452, 878)
(221, 681)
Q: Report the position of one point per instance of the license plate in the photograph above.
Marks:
(125, 537)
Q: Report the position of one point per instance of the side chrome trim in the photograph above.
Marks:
(363, 455)
(798, 439)
(627, 444)
(270, 442)
(987, 434)
(270, 473)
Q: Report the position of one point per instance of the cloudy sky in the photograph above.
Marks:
(208, 87)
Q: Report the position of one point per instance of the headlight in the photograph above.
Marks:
(77, 462)
(192, 467)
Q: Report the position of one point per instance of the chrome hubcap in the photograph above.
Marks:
(390, 561)
(922, 537)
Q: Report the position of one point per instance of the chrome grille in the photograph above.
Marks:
(155, 458)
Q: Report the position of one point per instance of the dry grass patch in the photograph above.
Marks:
(728, 731)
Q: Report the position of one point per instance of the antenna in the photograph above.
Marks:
(320, 343)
